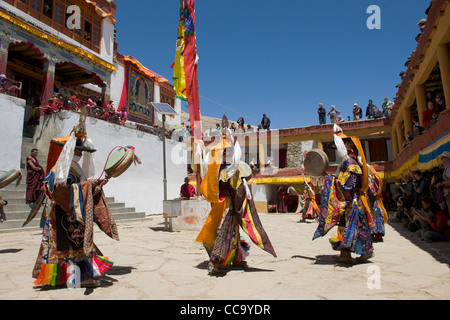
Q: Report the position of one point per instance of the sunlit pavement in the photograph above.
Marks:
(151, 263)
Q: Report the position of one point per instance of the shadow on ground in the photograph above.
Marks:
(224, 270)
(439, 250)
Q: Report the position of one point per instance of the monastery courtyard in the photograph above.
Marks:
(151, 263)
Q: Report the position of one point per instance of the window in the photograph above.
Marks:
(35, 4)
(96, 36)
(48, 8)
(87, 30)
(59, 15)
(96, 32)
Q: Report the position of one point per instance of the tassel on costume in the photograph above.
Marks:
(57, 274)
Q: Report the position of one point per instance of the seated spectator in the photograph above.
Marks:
(437, 191)
(187, 190)
(51, 106)
(387, 107)
(376, 113)
(409, 219)
(417, 128)
(429, 116)
(438, 221)
(2, 80)
(409, 138)
(440, 103)
(241, 123)
(421, 188)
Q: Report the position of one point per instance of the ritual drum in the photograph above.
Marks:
(9, 177)
(315, 162)
(244, 169)
(119, 161)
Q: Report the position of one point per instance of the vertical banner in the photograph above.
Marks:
(185, 74)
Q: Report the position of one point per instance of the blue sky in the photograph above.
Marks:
(281, 58)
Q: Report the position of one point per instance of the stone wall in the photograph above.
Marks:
(295, 153)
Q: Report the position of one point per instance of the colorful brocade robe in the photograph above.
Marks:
(230, 197)
(343, 205)
(67, 240)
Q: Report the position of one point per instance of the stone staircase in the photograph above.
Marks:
(17, 209)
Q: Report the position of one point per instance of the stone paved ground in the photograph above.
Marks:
(153, 264)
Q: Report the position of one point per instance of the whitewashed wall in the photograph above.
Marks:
(140, 186)
(12, 112)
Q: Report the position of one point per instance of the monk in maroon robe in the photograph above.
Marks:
(187, 190)
(35, 176)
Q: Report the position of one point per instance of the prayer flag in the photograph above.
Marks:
(185, 74)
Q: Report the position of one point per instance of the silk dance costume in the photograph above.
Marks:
(310, 208)
(225, 186)
(67, 254)
(344, 202)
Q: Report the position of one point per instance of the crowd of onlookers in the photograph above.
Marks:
(422, 202)
(435, 105)
(372, 112)
(94, 108)
(9, 87)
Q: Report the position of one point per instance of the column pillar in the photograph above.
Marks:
(394, 140)
(407, 120)
(400, 136)
(4, 48)
(106, 95)
(48, 82)
(421, 100)
(444, 64)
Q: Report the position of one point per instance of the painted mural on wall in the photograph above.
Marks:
(139, 97)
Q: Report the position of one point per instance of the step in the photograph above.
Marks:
(6, 194)
(22, 187)
(18, 204)
(16, 224)
(18, 210)
(22, 211)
